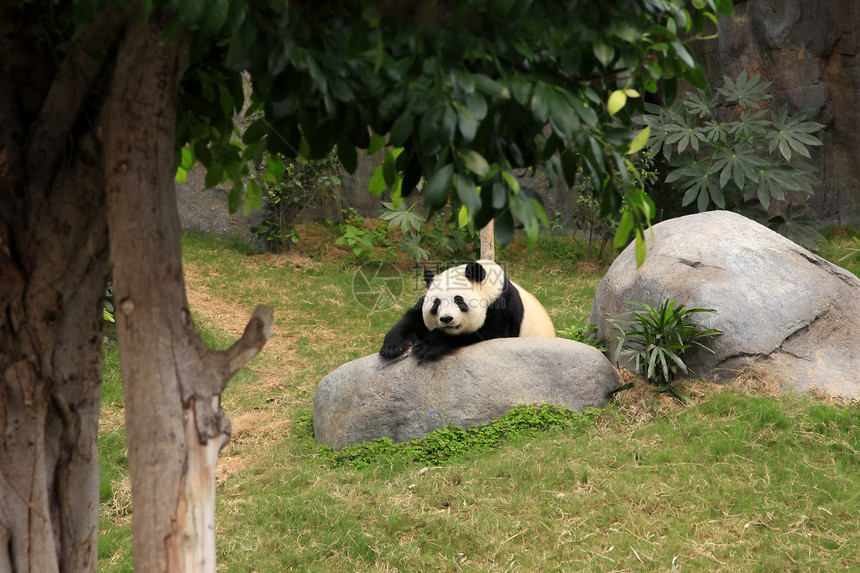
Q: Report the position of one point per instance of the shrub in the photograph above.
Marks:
(440, 238)
(744, 162)
(657, 339)
(364, 239)
(594, 229)
(288, 186)
(587, 335)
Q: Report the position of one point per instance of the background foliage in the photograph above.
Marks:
(462, 93)
(725, 152)
(288, 187)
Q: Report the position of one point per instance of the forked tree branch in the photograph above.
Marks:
(257, 332)
(204, 393)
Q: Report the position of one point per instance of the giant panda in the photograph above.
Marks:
(464, 305)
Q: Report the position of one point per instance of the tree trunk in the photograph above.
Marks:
(53, 273)
(54, 268)
(175, 426)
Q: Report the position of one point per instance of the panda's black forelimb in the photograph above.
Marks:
(436, 344)
(404, 333)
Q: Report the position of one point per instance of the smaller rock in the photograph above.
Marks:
(403, 399)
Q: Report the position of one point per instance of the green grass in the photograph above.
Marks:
(736, 482)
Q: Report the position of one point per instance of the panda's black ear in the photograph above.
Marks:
(475, 272)
(428, 276)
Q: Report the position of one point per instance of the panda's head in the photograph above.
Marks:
(458, 299)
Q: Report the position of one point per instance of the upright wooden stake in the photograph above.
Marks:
(488, 242)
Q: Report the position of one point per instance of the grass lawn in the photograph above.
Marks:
(747, 478)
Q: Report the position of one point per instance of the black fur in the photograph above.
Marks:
(404, 334)
(504, 317)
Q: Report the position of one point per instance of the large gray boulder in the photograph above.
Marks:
(777, 304)
(403, 399)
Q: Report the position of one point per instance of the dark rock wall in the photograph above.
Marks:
(809, 50)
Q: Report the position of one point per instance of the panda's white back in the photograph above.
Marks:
(536, 320)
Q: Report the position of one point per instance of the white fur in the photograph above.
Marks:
(536, 321)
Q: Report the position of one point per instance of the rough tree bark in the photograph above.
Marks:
(53, 273)
(175, 426)
(54, 267)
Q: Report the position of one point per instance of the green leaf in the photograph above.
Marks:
(449, 123)
(186, 161)
(704, 198)
(474, 162)
(603, 52)
(467, 192)
(235, 197)
(569, 166)
(348, 156)
(255, 131)
(376, 143)
(539, 103)
(560, 110)
(585, 112)
(499, 196)
(793, 134)
(617, 101)
(524, 211)
(438, 185)
(254, 197)
(504, 227)
(216, 16)
(214, 176)
(402, 217)
(684, 54)
(463, 217)
(640, 140)
(190, 11)
(696, 77)
(341, 90)
(380, 52)
(389, 172)
(491, 87)
(477, 105)
(377, 182)
(401, 130)
(622, 233)
(468, 123)
(512, 181)
(717, 197)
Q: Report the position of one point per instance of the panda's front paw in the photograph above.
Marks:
(393, 349)
(424, 351)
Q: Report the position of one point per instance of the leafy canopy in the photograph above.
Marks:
(464, 95)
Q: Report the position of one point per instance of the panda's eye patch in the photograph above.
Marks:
(435, 308)
(461, 304)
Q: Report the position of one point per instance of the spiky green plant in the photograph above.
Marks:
(657, 338)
